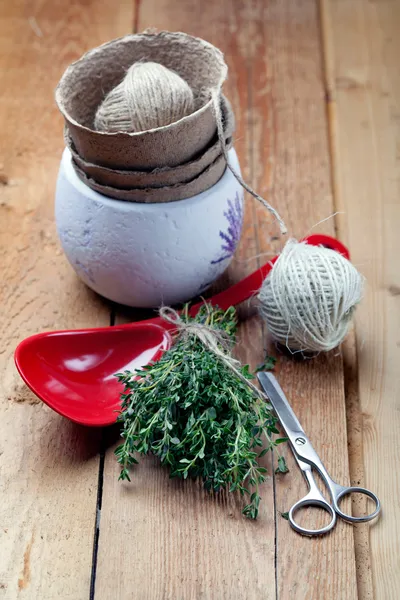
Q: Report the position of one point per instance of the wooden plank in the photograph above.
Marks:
(362, 47)
(292, 156)
(183, 543)
(48, 467)
(275, 83)
(356, 464)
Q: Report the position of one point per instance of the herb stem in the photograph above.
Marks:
(199, 416)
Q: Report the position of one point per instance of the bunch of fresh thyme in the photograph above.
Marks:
(200, 418)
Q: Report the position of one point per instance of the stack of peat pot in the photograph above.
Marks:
(172, 168)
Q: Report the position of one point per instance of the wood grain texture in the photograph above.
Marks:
(48, 467)
(187, 545)
(362, 47)
(356, 463)
(167, 539)
(291, 154)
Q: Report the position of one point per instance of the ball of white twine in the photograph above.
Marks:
(309, 297)
(149, 96)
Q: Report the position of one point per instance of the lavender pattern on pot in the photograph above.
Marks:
(231, 236)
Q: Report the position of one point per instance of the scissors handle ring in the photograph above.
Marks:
(312, 501)
(345, 491)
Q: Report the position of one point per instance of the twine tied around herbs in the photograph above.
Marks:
(213, 340)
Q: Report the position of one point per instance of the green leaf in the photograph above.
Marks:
(263, 452)
(285, 515)
(280, 440)
(273, 429)
(212, 413)
(262, 470)
(246, 372)
(124, 475)
(196, 415)
(268, 364)
(282, 466)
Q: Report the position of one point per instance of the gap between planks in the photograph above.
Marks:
(349, 350)
(299, 151)
(49, 466)
(365, 79)
(201, 525)
(99, 500)
(103, 444)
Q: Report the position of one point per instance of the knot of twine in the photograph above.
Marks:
(308, 298)
(214, 340)
(149, 96)
(152, 96)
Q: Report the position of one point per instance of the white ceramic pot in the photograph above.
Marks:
(146, 255)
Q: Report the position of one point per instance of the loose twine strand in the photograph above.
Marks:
(212, 339)
(308, 299)
(215, 94)
(151, 96)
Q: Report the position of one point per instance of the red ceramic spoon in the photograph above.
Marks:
(73, 371)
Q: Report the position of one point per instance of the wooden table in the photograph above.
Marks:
(316, 91)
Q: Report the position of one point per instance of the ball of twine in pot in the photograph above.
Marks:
(152, 96)
(309, 297)
(149, 96)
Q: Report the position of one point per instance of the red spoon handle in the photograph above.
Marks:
(247, 287)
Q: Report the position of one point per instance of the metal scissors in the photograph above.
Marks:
(308, 460)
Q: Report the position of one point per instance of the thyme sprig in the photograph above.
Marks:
(198, 417)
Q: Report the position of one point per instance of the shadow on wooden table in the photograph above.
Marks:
(126, 314)
(69, 443)
(182, 498)
(83, 442)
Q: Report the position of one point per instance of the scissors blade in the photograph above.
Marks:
(299, 441)
(280, 404)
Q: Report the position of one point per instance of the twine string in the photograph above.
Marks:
(215, 94)
(214, 340)
(308, 299)
(152, 96)
(149, 96)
